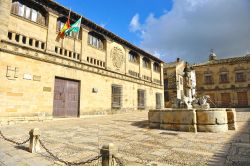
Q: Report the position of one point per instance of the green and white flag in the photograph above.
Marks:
(74, 27)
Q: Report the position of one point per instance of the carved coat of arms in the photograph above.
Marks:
(117, 57)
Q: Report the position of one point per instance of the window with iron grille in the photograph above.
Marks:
(158, 100)
(224, 78)
(141, 98)
(116, 96)
(208, 79)
(239, 77)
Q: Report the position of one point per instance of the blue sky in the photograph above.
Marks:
(116, 15)
(171, 29)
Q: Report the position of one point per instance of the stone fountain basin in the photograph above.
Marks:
(193, 120)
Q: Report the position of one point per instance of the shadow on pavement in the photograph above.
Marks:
(236, 152)
(141, 124)
(22, 148)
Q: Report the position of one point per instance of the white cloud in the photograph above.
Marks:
(135, 23)
(193, 27)
(103, 25)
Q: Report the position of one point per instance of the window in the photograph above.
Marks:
(31, 42)
(223, 78)
(158, 100)
(116, 96)
(27, 12)
(146, 63)
(37, 44)
(21, 9)
(96, 40)
(208, 79)
(133, 57)
(165, 84)
(43, 45)
(56, 49)
(33, 14)
(239, 77)
(10, 35)
(141, 96)
(156, 67)
(17, 37)
(166, 96)
(24, 40)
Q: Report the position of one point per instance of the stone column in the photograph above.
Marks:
(140, 66)
(108, 62)
(84, 44)
(107, 152)
(161, 74)
(51, 34)
(151, 70)
(5, 6)
(34, 140)
(126, 59)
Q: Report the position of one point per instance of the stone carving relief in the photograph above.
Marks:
(117, 57)
(223, 69)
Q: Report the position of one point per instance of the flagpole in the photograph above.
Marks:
(77, 35)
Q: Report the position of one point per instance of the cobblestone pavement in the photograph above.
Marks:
(80, 139)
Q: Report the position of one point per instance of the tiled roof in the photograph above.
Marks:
(226, 60)
(172, 64)
(63, 10)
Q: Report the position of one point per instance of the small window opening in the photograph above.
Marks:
(24, 40)
(17, 38)
(10, 35)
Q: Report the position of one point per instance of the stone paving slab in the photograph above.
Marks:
(80, 139)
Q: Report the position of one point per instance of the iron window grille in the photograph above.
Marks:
(141, 96)
(158, 100)
(116, 96)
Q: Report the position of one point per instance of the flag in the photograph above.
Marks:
(65, 28)
(74, 27)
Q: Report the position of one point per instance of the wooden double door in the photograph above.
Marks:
(66, 98)
(242, 98)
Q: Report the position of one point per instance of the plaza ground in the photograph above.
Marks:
(80, 139)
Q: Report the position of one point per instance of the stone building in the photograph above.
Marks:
(177, 83)
(226, 81)
(93, 72)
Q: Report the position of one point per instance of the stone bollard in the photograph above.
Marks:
(107, 152)
(34, 140)
(231, 117)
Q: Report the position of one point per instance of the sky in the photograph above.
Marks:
(187, 29)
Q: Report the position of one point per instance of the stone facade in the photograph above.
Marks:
(32, 58)
(176, 83)
(226, 81)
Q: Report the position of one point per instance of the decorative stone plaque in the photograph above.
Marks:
(27, 76)
(47, 89)
(117, 57)
(36, 78)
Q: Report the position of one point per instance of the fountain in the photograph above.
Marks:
(192, 113)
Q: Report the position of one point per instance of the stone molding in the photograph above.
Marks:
(20, 50)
